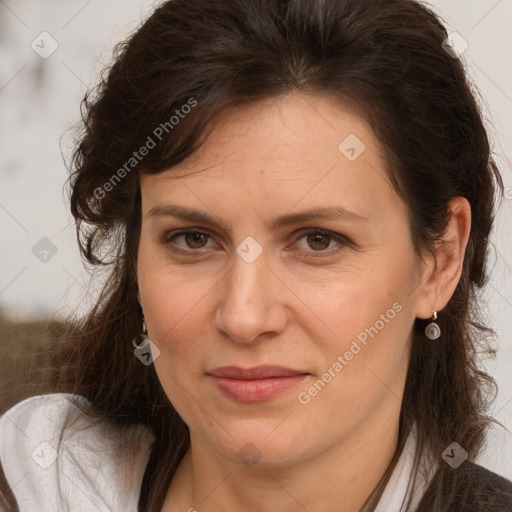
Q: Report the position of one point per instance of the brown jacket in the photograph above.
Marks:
(469, 488)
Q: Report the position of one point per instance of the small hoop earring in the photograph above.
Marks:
(433, 331)
(144, 328)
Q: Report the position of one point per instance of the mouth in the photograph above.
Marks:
(255, 384)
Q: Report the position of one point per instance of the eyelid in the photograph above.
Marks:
(341, 240)
(342, 243)
(168, 237)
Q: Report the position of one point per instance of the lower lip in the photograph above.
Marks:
(256, 390)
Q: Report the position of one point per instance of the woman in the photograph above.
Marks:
(293, 201)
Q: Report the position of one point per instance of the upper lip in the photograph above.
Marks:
(256, 372)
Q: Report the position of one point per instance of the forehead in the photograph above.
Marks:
(290, 152)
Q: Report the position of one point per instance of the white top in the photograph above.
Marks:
(57, 459)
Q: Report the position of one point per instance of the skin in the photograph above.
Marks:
(211, 307)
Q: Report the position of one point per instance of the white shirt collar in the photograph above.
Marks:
(398, 489)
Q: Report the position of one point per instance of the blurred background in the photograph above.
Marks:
(51, 52)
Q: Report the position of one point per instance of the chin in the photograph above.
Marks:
(261, 444)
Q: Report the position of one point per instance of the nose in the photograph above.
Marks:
(250, 305)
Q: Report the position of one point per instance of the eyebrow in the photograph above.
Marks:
(328, 213)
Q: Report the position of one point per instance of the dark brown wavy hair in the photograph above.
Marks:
(384, 58)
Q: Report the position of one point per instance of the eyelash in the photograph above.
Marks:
(340, 239)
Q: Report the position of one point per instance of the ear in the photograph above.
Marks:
(442, 274)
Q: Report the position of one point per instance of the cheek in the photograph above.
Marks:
(176, 318)
(371, 302)
(364, 356)
(175, 304)
(174, 312)
(366, 346)
(366, 343)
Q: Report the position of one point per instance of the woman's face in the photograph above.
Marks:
(330, 297)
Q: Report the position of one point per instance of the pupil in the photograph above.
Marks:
(196, 237)
(316, 239)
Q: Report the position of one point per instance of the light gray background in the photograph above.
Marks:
(39, 101)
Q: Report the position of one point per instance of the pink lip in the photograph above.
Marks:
(255, 384)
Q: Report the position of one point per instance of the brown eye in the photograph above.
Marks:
(318, 241)
(194, 240)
